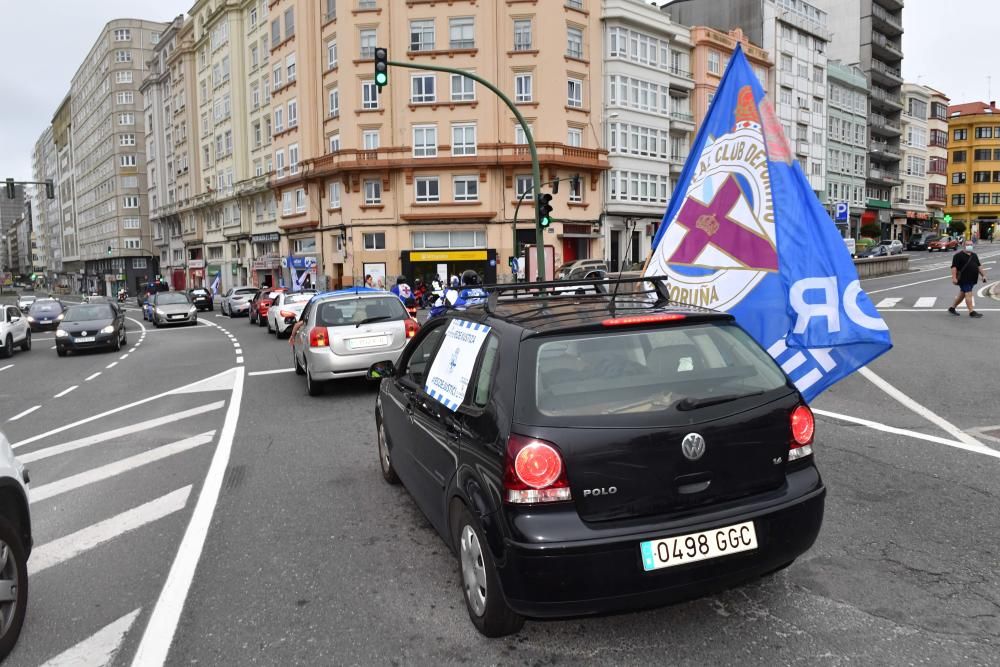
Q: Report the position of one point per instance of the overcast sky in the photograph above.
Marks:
(948, 45)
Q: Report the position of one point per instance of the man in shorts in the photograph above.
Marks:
(965, 272)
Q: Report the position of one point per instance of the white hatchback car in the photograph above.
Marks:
(14, 330)
(15, 546)
(285, 310)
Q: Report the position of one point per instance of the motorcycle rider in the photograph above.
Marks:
(460, 297)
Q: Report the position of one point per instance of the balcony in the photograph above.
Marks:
(884, 148)
(890, 5)
(684, 74)
(682, 117)
(885, 21)
(886, 48)
(803, 116)
(884, 98)
(883, 126)
(886, 74)
(884, 176)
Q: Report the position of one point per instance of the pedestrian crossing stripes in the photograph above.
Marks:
(919, 302)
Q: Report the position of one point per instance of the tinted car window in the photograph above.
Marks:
(352, 311)
(647, 371)
(95, 311)
(298, 298)
(420, 360)
(481, 398)
(246, 291)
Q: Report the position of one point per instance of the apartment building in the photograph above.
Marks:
(11, 211)
(974, 167)
(710, 54)
(647, 122)
(869, 33)
(847, 143)
(44, 212)
(72, 267)
(911, 196)
(423, 177)
(110, 188)
(937, 159)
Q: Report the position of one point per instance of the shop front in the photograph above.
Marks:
(266, 265)
(196, 273)
(426, 264)
(911, 224)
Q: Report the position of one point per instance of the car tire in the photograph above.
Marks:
(117, 345)
(124, 336)
(384, 460)
(8, 348)
(269, 329)
(26, 343)
(13, 566)
(298, 367)
(260, 322)
(313, 387)
(481, 588)
(61, 352)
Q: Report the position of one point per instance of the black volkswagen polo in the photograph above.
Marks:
(584, 454)
(90, 326)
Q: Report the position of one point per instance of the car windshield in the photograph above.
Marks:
(885, 243)
(355, 311)
(90, 312)
(680, 368)
(45, 307)
(168, 298)
(300, 297)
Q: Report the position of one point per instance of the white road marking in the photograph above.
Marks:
(91, 377)
(100, 648)
(919, 282)
(65, 391)
(159, 633)
(101, 473)
(926, 413)
(925, 302)
(53, 347)
(888, 303)
(6, 367)
(924, 310)
(188, 388)
(124, 356)
(74, 544)
(23, 414)
(80, 443)
(272, 372)
(239, 360)
(112, 364)
(981, 449)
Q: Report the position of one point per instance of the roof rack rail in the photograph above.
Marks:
(660, 289)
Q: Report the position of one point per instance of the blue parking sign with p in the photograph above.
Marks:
(840, 211)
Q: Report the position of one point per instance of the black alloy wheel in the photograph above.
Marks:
(13, 586)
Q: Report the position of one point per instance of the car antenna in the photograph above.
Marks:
(621, 265)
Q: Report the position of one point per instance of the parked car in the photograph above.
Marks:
(285, 310)
(920, 241)
(24, 301)
(91, 326)
(15, 545)
(45, 315)
(579, 268)
(173, 308)
(582, 460)
(14, 331)
(942, 244)
(201, 297)
(237, 300)
(342, 333)
(888, 247)
(261, 303)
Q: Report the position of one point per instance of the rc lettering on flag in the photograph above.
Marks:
(744, 233)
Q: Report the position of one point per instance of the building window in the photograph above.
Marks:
(126, 140)
(422, 35)
(300, 200)
(982, 154)
(462, 88)
(422, 88)
(374, 240)
(333, 192)
(373, 197)
(574, 137)
(427, 189)
(370, 140)
(638, 187)
(130, 201)
(128, 161)
(133, 244)
(786, 62)
(334, 102)
(961, 135)
(523, 187)
(461, 33)
(576, 190)
(574, 93)
(334, 142)
(958, 156)
(435, 240)
(277, 72)
(287, 203)
(522, 34)
(368, 39)
(425, 141)
(331, 54)
(980, 198)
(522, 87)
(124, 97)
(463, 139)
(293, 113)
(126, 118)
(293, 158)
(279, 120)
(984, 133)
(123, 56)
(958, 177)
(290, 67)
(519, 136)
(916, 166)
(714, 60)
(289, 22)
(123, 35)
(279, 163)
(574, 42)
(366, 4)
(466, 188)
(369, 95)
(980, 177)
(131, 223)
(124, 76)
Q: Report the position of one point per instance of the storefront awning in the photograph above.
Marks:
(448, 255)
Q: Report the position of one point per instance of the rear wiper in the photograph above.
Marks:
(695, 403)
(369, 320)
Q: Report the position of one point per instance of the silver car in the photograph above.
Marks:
(285, 310)
(15, 546)
(237, 300)
(341, 334)
(173, 308)
(24, 302)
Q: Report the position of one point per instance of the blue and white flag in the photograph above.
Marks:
(745, 234)
(215, 283)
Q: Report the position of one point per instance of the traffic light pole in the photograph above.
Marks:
(517, 207)
(536, 172)
(50, 191)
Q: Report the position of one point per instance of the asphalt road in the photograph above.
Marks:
(304, 556)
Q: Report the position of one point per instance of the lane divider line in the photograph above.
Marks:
(6, 367)
(112, 364)
(24, 414)
(272, 372)
(91, 377)
(65, 391)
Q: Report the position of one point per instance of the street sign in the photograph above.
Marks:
(840, 211)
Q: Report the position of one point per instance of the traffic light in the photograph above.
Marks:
(10, 188)
(381, 67)
(34, 277)
(544, 210)
(109, 251)
(50, 189)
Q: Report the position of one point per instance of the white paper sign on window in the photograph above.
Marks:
(451, 371)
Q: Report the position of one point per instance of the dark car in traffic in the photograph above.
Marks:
(45, 315)
(586, 454)
(920, 241)
(201, 297)
(91, 326)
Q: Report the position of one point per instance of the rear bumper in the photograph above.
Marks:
(325, 365)
(239, 308)
(600, 575)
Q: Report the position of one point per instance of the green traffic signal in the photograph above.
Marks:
(381, 67)
(544, 210)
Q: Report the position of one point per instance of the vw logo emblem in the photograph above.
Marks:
(83, 333)
(693, 446)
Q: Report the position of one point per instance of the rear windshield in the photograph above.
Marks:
(651, 371)
(170, 297)
(300, 297)
(198, 292)
(354, 311)
(45, 307)
(92, 312)
(246, 291)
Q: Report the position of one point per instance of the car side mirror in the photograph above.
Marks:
(381, 369)
(471, 411)
(15, 319)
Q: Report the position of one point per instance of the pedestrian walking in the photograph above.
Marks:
(965, 272)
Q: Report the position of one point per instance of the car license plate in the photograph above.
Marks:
(370, 341)
(46, 321)
(176, 317)
(682, 549)
(85, 339)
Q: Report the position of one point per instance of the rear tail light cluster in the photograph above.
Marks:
(534, 472)
(319, 337)
(412, 327)
(803, 428)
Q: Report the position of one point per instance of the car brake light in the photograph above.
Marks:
(412, 327)
(803, 428)
(534, 472)
(318, 337)
(631, 320)
(286, 313)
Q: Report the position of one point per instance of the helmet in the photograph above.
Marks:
(400, 280)
(470, 277)
(454, 281)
